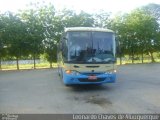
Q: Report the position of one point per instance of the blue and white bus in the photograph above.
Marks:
(87, 55)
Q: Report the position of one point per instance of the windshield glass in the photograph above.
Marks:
(90, 47)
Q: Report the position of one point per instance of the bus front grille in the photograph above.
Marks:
(89, 74)
(87, 80)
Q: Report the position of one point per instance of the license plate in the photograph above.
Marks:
(92, 78)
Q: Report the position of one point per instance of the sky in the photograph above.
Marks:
(89, 6)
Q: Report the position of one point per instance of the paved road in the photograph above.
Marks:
(137, 90)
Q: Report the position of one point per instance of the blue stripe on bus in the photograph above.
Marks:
(83, 79)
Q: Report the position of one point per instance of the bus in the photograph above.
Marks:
(87, 55)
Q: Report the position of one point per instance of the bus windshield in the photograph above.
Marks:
(90, 47)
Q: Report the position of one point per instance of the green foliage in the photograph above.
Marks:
(137, 32)
(37, 30)
(2, 44)
(101, 19)
(153, 9)
(70, 18)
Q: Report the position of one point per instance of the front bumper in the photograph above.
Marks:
(83, 79)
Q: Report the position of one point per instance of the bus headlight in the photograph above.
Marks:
(72, 72)
(68, 71)
(113, 71)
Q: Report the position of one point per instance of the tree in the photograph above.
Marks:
(101, 19)
(49, 23)
(137, 32)
(2, 26)
(153, 9)
(72, 19)
(14, 35)
(34, 32)
(118, 25)
(145, 28)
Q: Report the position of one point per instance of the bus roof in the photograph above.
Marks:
(87, 29)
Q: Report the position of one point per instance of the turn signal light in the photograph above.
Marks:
(68, 71)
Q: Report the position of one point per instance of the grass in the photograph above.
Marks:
(54, 65)
(28, 66)
(136, 61)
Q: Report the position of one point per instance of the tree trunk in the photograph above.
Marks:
(132, 58)
(17, 61)
(0, 63)
(120, 53)
(120, 60)
(50, 64)
(34, 59)
(132, 55)
(142, 57)
(152, 58)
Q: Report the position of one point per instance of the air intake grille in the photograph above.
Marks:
(87, 80)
